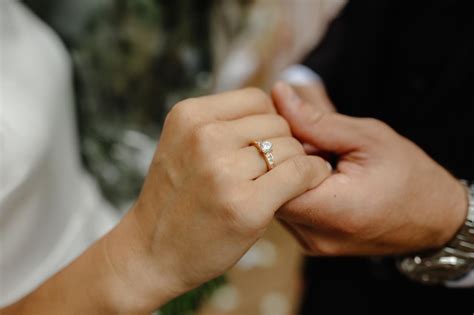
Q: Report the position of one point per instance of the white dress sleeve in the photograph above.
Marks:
(50, 209)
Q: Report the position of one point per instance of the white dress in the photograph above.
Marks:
(50, 209)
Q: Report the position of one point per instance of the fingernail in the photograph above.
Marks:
(329, 166)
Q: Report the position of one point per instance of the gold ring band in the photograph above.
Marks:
(265, 148)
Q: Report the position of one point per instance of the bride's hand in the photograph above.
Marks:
(208, 196)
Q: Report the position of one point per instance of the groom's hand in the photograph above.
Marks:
(386, 195)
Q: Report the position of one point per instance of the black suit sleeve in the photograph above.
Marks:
(348, 54)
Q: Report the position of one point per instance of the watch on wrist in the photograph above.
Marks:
(452, 262)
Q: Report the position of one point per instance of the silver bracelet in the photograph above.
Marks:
(452, 262)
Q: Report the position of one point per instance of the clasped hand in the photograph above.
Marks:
(386, 195)
(208, 196)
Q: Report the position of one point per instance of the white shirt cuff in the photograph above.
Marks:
(299, 75)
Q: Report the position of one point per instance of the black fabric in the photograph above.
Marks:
(367, 286)
(410, 64)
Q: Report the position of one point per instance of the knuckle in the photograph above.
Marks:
(227, 207)
(222, 170)
(308, 171)
(204, 131)
(318, 118)
(234, 207)
(373, 131)
(295, 146)
(232, 204)
(375, 126)
(217, 174)
(238, 210)
(320, 164)
(300, 167)
(182, 112)
(284, 125)
(203, 136)
(319, 170)
(314, 117)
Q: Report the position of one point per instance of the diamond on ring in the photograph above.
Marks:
(270, 160)
(266, 146)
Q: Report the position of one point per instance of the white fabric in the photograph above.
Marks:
(299, 75)
(50, 209)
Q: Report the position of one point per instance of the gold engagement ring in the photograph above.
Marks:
(265, 148)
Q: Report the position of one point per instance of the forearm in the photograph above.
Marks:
(105, 279)
(315, 93)
(80, 288)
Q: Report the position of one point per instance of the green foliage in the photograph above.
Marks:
(134, 60)
(189, 302)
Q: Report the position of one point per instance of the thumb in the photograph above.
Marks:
(324, 130)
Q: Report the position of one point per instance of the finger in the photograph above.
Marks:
(310, 149)
(316, 242)
(327, 131)
(250, 163)
(289, 180)
(258, 127)
(228, 105)
(315, 93)
(324, 206)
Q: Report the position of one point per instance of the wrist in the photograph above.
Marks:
(137, 283)
(112, 277)
(451, 262)
(455, 213)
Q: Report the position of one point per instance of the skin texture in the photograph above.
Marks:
(315, 93)
(386, 195)
(207, 198)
